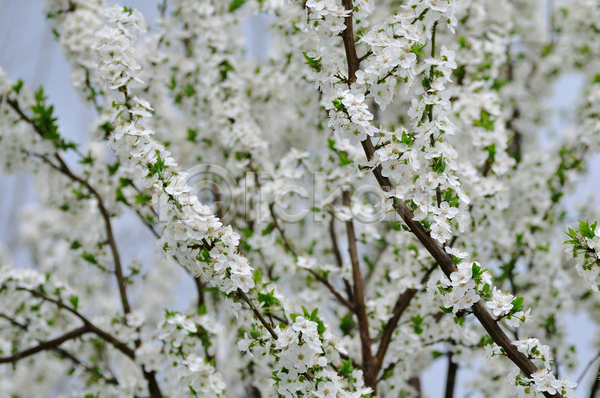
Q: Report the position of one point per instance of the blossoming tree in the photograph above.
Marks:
(390, 203)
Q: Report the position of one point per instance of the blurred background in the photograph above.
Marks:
(28, 52)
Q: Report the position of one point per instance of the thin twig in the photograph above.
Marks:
(321, 279)
(64, 169)
(47, 345)
(587, 367)
(338, 256)
(401, 305)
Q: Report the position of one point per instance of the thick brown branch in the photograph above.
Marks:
(368, 364)
(595, 386)
(349, 44)
(447, 266)
(450, 377)
(438, 253)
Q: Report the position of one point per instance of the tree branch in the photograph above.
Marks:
(65, 354)
(595, 386)
(338, 256)
(438, 253)
(450, 377)
(401, 305)
(47, 345)
(258, 314)
(64, 169)
(321, 279)
(349, 44)
(368, 364)
(448, 267)
(93, 328)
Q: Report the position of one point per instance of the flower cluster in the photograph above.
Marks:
(191, 371)
(532, 348)
(114, 47)
(459, 148)
(541, 381)
(416, 158)
(193, 234)
(304, 351)
(584, 248)
(468, 285)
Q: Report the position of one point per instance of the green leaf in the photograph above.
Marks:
(437, 354)
(445, 310)
(17, 87)
(347, 324)
(189, 90)
(320, 327)
(192, 134)
(344, 159)
(235, 4)
(313, 315)
(158, 166)
(485, 121)
(486, 340)
(416, 49)
(306, 313)
(346, 368)
(477, 271)
(88, 159)
(517, 305)
(407, 138)
(268, 229)
(268, 299)
(225, 68)
(258, 276)
(486, 292)
(417, 321)
(143, 198)
(587, 230)
(491, 152)
(439, 164)
(119, 195)
(74, 300)
(313, 63)
(89, 258)
(337, 103)
(331, 144)
(255, 333)
(112, 168)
